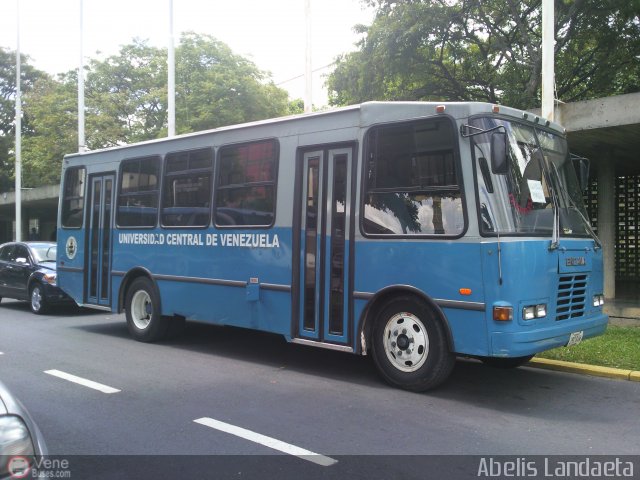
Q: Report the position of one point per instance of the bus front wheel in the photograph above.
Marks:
(142, 309)
(410, 346)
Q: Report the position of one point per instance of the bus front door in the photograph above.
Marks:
(98, 251)
(324, 236)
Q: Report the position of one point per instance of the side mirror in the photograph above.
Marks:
(499, 159)
(581, 166)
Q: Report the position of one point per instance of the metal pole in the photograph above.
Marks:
(308, 96)
(548, 74)
(18, 169)
(81, 139)
(171, 67)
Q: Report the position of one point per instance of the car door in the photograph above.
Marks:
(18, 272)
(5, 255)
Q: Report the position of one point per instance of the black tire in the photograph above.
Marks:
(142, 310)
(37, 300)
(409, 345)
(506, 362)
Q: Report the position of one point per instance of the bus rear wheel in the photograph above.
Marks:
(410, 346)
(142, 310)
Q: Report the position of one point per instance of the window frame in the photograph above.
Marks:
(64, 198)
(218, 173)
(457, 164)
(166, 175)
(123, 162)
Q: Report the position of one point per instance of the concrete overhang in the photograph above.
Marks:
(605, 130)
(44, 198)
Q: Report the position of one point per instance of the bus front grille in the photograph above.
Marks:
(572, 295)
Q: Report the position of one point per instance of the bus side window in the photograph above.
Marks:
(187, 188)
(412, 180)
(138, 192)
(73, 198)
(246, 184)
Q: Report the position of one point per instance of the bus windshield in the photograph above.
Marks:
(540, 180)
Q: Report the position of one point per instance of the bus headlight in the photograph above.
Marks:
(534, 311)
(598, 300)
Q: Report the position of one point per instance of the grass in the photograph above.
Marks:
(619, 347)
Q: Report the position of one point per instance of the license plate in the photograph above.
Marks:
(575, 338)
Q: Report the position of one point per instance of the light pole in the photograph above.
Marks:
(171, 81)
(81, 139)
(18, 169)
(308, 104)
(548, 74)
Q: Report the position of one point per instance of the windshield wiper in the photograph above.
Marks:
(555, 236)
(593, 235)
(574, 206)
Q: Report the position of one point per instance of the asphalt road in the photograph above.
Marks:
(329, 403)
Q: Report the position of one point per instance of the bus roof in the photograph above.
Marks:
(369, 113)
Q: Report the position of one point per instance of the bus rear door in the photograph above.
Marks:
(98, 251)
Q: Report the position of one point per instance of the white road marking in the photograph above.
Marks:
(267, 441)
(82, 381)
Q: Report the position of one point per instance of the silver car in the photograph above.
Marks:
(21, 442)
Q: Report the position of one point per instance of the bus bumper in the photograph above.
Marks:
(530, 342)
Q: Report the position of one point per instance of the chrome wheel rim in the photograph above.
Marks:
(406, 342)
(141, 309)
(36, 299)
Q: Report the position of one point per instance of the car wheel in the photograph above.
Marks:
(38, 301)
(410, 346)
(142, 310)
(506, 362)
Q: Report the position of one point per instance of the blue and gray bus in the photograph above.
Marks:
(411, 231)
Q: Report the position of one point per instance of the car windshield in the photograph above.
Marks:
(522, 200)
(44, 252)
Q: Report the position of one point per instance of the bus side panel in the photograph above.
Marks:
(214, 275)
(437, 268)
(71, 252)
(222, 305)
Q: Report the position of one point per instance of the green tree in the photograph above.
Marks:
(215, 87)
(489, 50)
(53, 109)
(126, 96)
(29, 76)
(126, 101)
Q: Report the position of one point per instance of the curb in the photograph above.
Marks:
(585, 369)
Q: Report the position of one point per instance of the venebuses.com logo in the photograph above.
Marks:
(23, 467)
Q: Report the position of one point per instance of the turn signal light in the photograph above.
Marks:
(503, 314)
(465, 291)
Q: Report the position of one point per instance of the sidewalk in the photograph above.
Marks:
(584, 369)
(622, 312)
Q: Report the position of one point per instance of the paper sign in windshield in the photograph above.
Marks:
(535, 189)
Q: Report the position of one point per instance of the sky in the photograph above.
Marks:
(271, 33)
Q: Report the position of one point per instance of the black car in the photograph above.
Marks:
(28, 272)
